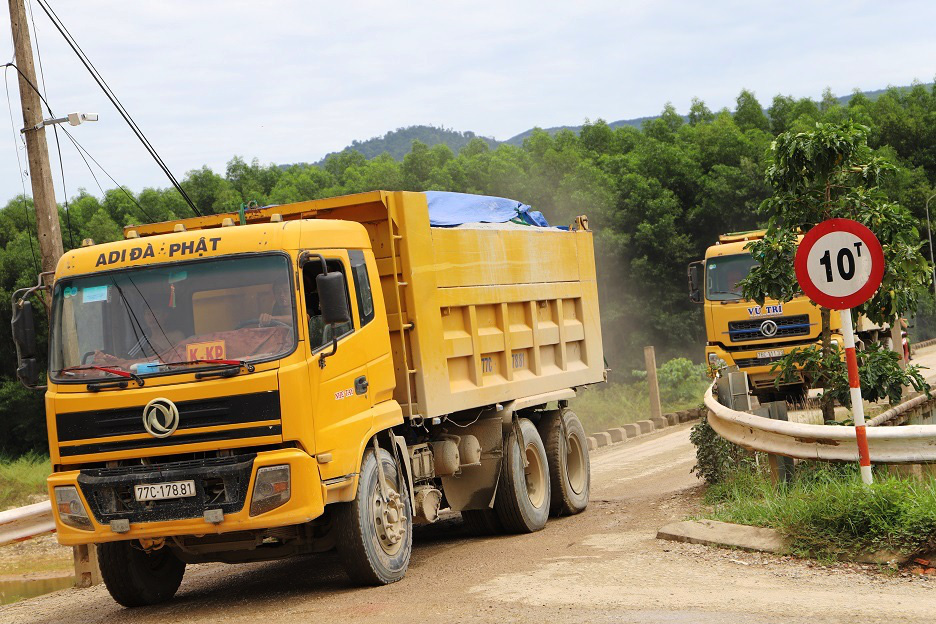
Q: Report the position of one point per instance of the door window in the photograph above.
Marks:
(362, 287)
(321, 334)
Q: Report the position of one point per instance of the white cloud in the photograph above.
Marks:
(290, 81)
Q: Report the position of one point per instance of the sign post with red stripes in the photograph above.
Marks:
(839, 265)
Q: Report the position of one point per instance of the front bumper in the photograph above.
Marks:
(186, 517)
(754, 362)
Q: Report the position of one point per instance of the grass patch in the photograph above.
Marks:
(827, 512)
(612, 405)
(21, 478)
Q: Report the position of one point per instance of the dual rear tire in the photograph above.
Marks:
(523, 494)
(550, 477)
(569, 468)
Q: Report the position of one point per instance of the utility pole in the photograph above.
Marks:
(37, 149)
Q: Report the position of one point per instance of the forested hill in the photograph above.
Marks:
(397, 142)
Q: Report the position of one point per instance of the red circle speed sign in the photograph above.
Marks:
(839, 264)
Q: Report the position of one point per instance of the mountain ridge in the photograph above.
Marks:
(397, 143)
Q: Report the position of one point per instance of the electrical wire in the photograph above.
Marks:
(81, 148)
(58, 145)
(477, 418)
(78, 145)
(96, 75)
(19, 165)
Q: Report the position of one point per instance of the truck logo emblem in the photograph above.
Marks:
(768, 328)
(160, 418)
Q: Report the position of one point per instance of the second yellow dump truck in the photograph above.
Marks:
(309, 377)
(753, 337)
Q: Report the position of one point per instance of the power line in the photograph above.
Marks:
(81, 148)
(96, 75)
(78, 145)
(19, 165)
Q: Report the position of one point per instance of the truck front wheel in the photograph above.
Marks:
(375, 536)
(569, 470)
(136, 578)
(522, 498)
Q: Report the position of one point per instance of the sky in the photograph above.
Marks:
(290, 81)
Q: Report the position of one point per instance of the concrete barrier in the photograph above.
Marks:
(659, 422)
(632, 430)
(603, 438)
(646, 426)
(617, 434)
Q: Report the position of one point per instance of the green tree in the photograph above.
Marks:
(748, 113)
(699, 113)
(830, 172)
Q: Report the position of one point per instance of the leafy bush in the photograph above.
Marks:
(680, 380)
(716, 458)
(878, 367)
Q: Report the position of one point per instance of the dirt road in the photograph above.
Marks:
(602, 566)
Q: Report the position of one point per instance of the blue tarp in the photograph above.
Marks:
(448, 209)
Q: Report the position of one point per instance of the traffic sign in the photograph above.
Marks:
(839, 264)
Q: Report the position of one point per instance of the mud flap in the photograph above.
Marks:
(474, 486)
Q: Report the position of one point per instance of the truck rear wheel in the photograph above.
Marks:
(136, 578)
(522, 499)
(569, 468)
(375, 537)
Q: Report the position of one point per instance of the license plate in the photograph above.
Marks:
(774, 353)
(162, 491)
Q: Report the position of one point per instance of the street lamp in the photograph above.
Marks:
(73, 119)
(929, 231)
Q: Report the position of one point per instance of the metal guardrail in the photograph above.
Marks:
(888, 445)
(24, 523)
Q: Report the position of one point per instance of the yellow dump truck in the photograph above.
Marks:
(308, 377)
(741, 333)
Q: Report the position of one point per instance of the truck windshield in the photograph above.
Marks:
(722, 274)
(169, 318)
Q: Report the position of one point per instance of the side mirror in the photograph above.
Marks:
(695, 279)
(27, 371)
(332, 298)
(24, 337)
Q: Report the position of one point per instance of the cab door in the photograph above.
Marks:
(341, 412)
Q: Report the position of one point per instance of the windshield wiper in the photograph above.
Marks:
(726, 292)
(112, 371)
(239, 364)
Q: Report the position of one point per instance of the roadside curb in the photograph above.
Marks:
(923, 344)
(630, 431)
(759, 539)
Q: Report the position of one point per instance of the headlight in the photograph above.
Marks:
(271, 489)
(71, 510)
(715, 361)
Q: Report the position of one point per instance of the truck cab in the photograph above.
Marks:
(741, 333)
